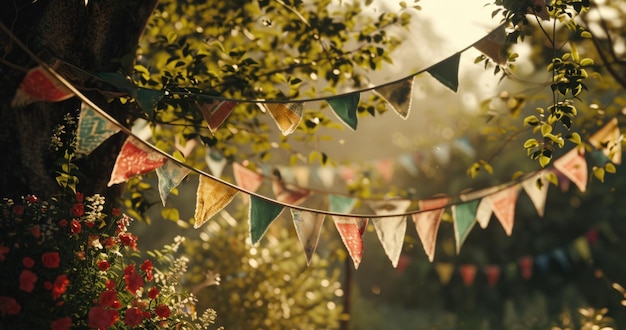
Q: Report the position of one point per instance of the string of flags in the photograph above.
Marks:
(390, 216)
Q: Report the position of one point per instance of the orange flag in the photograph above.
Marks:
(286, 115)
(134, 159)
(216, 112)
(351, 231)
(246, 178)
(40, 85)
(574, 166)
(503, 206)
(427, 223)
(212, 197)
(468, 273)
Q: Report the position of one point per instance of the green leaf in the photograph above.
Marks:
(170, 213)
(531, 121)
(117, 80)
(598, 172)
(148, 98)
(575, 137)
(262, 214)
(447, 72)
(345, 107)
(531, 143)
(546, 129)
(544, 161)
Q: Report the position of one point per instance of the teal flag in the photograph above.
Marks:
(345, 108)
(262, 214)
(93, 129)
(170, 175)
(464, 216)
(447, 72)
(341, 204)
(148, 99)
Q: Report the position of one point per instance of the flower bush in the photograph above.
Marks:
(68, 263)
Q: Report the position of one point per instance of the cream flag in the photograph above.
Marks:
(537, 193)
(609, 140)
(308, 227)
(390, 230)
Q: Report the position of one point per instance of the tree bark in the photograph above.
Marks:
(98, 37)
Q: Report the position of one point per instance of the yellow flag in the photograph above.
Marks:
(287, 116)
(212, 197)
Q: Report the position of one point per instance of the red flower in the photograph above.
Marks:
(27, 280)
(18, 210)
(128, 239)
(133, 282)
(28, 262)
(133, 317)
(101, 318)
(47, 285)
(109, 242)
(35, 231)
(9, 306)
(75, 227)
(146, 266)
(109, 284)
(32, 199)
(108, 298)
(51, 259)
(116, 212)
(103, 265)
(153, 293)
(78, 209)
(162, 311)
(79, 197)
(60, 286)
(3, 251)
(64, 323)
(63, 223)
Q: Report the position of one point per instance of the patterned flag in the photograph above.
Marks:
(246, 178)
(170, 175)
(40, 85)
(286, 115)
(398, 96)
(609, 140)
(212, 197)
(351, 231)
(289, 194)
(503, 206)
(308, 227)
(134, 159)
(390, 230)
(427, 223)
(537, 194)
(93, 129)
(216, 112)
(464, 220)
(574, 166)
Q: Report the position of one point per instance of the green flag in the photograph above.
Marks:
(447, 72)
(262, 214)
(345, 108)
(464, 216)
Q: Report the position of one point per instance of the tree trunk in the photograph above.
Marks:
(96, 37)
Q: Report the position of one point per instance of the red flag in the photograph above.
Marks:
(134, 159)
(216, 112)
(526, 265)
(468, 273)
(247, 179)
(351, 231)
(40, 85)
(493, 274)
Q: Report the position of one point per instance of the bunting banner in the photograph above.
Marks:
(574, 166)
(503, 206)
(464, 220)
(493, 274)
(536, 187)
(398, 96)
(526, 267)
(483, 213)
(216, 112)
(286, 115)
(308, 228)
(345, 108)
(92, 130)
(147, 98)
(351, 231)
(447, 72)
(39, 85)
(609, 140)
(211, 198)
(262, 214)
(134, 159)
(444, 270)
(246, 178)
(215, 161)
(289, 194)
(390, 230)
(468, 273)
(492, 45)
(170, 175)
(341, 204)
(427, 223)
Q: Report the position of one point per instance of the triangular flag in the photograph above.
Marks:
(408, 162)
(289, 194)
(216, 112)
(40, 85)
(526, 267)
(493, 274)
(215, 161)
(170, 175)
(148, 98)
(427, 223)
(447, 71)
(537, 194)
(341, 204)
(398, 96)
(262, 214)
(468, 273)
(483, 213)
(212, 197)
(492, 45)
(134, 159)
(308, 227)
(347, 173)
(503, 206)
(326, 175)
(444, 270)
(247, 179)
(286, 115)
(581, 245)
(574, 166)
(93, 129)
(345, 107)
(464, 220)
(385, 168)
(351, 231)
(609, 140)
(442, 152)
(301, 175)
(390, 230)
